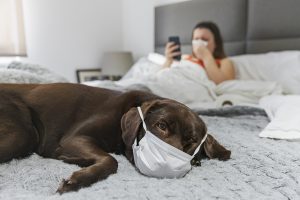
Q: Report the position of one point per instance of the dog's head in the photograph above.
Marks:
(173, 123)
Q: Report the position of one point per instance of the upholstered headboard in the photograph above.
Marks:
(247, 26)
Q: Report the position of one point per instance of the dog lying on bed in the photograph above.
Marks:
(81, 125)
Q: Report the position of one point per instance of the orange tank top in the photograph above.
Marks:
(200, 62)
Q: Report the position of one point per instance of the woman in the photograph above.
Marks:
(208, 52)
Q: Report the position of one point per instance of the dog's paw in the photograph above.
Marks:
(67, 185)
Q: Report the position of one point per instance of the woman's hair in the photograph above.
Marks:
(219, 50)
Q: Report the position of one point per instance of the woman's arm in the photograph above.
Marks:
(221, 73)
(216, 73)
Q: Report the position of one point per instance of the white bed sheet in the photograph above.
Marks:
(284, 112)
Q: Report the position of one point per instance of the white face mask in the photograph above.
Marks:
(199, 43)
(154, 157)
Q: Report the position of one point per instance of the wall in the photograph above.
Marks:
(64, 35)
(138, 25)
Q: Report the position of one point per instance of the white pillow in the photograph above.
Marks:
(147, 66)
(156, 58)
(142, 68)
(282, 67)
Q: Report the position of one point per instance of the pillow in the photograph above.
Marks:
(141, 69)
(156, 58)
(147, 66)
(282, 67)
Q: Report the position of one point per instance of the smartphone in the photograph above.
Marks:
(176, 40)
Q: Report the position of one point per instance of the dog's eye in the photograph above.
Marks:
(162, 125)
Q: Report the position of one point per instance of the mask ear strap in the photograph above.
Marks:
(198, 148)
(142, 117)
(144, 124)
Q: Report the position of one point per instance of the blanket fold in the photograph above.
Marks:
(284, 112)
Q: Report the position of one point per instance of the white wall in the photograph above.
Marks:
(138, 25)
(64, 35)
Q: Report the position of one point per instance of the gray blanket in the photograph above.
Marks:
(20, 72)
(260, 168)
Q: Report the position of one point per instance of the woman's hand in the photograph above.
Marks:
(202, 52)
(170, 53)
(216, 73)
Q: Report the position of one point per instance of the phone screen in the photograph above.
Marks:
(176, 40)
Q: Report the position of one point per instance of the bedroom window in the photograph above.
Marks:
(12, 37)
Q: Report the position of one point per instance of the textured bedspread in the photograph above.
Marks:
(20, 72)
(260, 168)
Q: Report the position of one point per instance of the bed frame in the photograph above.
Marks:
(247, 26)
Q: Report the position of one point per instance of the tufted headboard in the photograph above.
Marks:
(247, 26)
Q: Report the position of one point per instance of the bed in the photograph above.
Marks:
(260, 167)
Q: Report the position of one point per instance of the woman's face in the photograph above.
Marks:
(206, 35)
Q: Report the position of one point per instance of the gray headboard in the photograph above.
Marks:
(247, 26)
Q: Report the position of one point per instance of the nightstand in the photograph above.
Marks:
(110, 77)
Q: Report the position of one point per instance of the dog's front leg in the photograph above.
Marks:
(97, 164)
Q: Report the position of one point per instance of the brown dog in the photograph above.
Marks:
(82, 125)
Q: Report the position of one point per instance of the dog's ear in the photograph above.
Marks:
(131, 123)
(213, 149)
